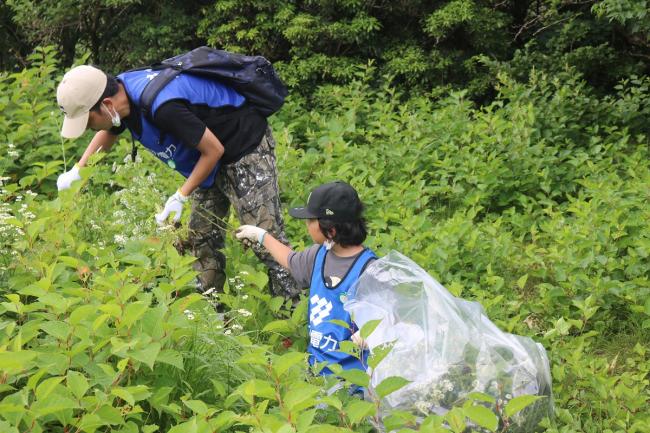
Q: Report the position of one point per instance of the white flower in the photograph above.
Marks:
(244, 272)
(227, 332)
(237, 327)
(244, 312)
(120, 239)
(422, 406)
(210, 290)
(189, 314)
(244, 297)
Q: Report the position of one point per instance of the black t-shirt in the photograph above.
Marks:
(240, 129)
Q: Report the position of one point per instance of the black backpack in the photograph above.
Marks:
(252, 76)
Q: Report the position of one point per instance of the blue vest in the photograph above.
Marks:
(326, 304)
(190, 88)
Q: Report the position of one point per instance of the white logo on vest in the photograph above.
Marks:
(320, 309)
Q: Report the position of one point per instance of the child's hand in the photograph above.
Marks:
(250, 233)
(359, 341)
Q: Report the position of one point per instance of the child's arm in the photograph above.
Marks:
(277, 249)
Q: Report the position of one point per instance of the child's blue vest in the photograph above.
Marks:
(194, 90)
(326, 304)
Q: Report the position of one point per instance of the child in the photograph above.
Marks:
(330, 267)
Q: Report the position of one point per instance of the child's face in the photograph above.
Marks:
(314, 231)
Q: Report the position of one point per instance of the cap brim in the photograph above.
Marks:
(73, 127)
(301, 212)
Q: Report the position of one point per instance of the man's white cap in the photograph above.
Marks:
(77, 93)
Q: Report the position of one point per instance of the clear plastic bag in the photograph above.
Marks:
(446, 346)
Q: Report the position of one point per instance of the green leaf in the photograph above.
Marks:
(139, 392)
(340, 323)
(57, 329)
(521, 282)
(171, 357)
(256, 357)
(90, 422)
(357, 410)
(33, 380)
(379, 353)
(186, 427)
(479, 396)
(482, 416)
(137, 259)
(390, 385)
(52, 404)
(197, 406)
(110, 415)
(133, 312)
(124, 395)
(518, 404)
(282, 363)
(305, 419)
(148, 354)
(455, 419)
(369, 328)
(331, 400)
(355, 376)
(82, 314)
(300, 396)
(281, 326)
(223, 420)
(77, 383)
(257, 388)
(47, 386)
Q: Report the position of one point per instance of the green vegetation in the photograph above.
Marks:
(424, 46)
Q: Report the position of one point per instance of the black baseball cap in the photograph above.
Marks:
(336, 201)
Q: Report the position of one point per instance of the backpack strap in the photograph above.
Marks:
(153, 87)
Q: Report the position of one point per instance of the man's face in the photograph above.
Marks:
(98, 120)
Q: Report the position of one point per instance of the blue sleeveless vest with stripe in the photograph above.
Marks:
(326, 304)
(190, 88)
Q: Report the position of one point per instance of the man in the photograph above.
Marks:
(203, 129)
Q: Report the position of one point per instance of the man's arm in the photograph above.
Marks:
(103, 140)
(211, 152)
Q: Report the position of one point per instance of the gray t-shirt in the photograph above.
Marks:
(301, 265)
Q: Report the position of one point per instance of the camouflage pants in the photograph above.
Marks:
(250, 185)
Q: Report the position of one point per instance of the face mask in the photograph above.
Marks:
(115, 117)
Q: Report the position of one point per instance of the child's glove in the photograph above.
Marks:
(65, 179)
(250, 233)
(174, 204)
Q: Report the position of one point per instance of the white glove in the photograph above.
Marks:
(251, 233)
(65, 179)
(173, 204)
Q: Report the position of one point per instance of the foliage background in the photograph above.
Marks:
(423, 46)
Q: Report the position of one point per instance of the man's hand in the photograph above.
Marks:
(250, 233)
(174, 204)
(65, 179)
